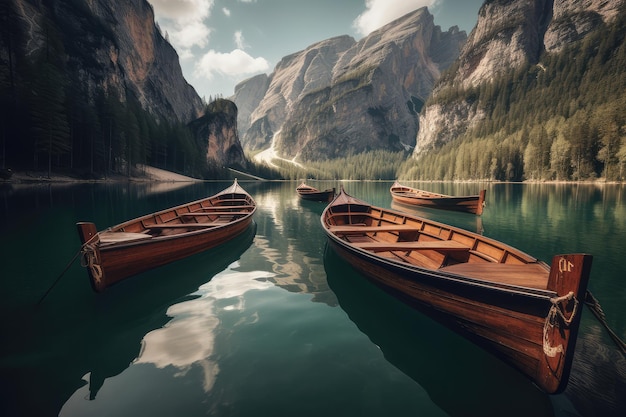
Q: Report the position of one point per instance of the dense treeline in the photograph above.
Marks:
(51, 122)
(373, 165)
(562, 119)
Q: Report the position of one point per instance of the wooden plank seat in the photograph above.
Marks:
(180, 226)
(349, 229)
(216, 213)
(439, 245)
(219, 208)
(125, 237)
(227, 200)
(528, 275)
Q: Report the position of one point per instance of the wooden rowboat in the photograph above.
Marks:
(157, 239)
(306, 192)
(414, 197)
(512, 304)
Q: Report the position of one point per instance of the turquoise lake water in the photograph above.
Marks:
(273, 323)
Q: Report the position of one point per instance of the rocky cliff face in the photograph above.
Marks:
(116, 47)
(294, 77)
(249, 94)
(218, 130)
(340, 96)
(508, 34)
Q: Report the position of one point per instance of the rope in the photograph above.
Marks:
(66, 268)
(548, 349)
(90, 260)
(594, 305)
(551, 322)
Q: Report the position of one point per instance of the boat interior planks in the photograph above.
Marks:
(159, 238)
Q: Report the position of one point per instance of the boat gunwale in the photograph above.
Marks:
(456, 229)
(232, 189)
(449, 276)
(543, 294)
(162, 238)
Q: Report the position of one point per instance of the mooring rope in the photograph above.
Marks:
(594, 305)
(66, 268)
(90, 260)
(555, 310)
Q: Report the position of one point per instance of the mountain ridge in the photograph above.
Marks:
(341, 95)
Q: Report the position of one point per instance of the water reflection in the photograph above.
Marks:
(597, 385)
(189, 337)
(76, 335)
(290, 240)
(194, 322)
(455, 373)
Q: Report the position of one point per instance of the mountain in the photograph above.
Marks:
(218, 129)
(340, 96)
(94, 87)
(528, 78)
(113, 46)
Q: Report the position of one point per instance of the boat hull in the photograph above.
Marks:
(120, 262)
(411, 197)
(160, 238)
(508, 324)
(506, 301)
(319, 196)
(309, 193)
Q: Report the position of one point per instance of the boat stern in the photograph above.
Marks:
(569, 275)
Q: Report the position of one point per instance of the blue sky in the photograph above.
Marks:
(223, 42)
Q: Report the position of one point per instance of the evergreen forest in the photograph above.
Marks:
(560, 119)
(372, 165)
(49, 121)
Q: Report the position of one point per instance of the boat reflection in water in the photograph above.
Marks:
(111, 326)
(460, 377)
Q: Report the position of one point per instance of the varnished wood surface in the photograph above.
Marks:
(166, 236)
(409, 246)
(533, 275)
(499, 297)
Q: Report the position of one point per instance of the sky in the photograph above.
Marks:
(223, 42)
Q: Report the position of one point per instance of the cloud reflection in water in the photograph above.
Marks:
(189, 338)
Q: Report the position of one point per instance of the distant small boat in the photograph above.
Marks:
(153, 240)
(306, 192)
(503, 299)
(412, 196)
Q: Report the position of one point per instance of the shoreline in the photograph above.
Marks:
(150, 174)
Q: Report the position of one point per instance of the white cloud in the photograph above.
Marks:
(380, 12)
(226, 11)
(239, 40)
(182, 10)
(234, 64)
(183, 20)
(192, 34)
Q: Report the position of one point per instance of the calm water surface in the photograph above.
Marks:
(273, 322)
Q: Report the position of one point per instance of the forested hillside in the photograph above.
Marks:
(561, 119)
(77, 96)
(372, 165)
